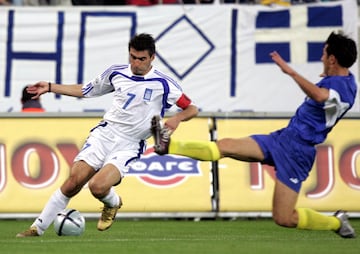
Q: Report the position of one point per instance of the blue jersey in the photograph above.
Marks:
(292, 149)
(313, 121)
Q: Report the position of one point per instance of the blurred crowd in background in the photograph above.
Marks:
(151, 2)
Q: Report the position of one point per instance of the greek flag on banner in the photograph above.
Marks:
(312, 25)
(298, 33)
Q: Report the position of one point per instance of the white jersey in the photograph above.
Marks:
(136, 98)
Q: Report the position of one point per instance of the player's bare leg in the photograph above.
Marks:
(101, 188)
(242, 149)
(284, 201)
(285, 214)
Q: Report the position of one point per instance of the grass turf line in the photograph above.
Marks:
(179, 236)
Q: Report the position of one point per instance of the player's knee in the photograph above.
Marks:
(283, 221)
(71, 187)
(97, 189)
(223, 143)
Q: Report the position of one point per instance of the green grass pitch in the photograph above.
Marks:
(179, 236)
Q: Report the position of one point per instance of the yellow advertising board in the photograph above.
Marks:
(334, 182)
(36, 154)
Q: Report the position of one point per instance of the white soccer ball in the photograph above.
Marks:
(69, 222)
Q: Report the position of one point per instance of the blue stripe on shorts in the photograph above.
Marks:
(292, 157)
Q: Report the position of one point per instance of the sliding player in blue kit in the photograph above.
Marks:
(140, 91)
(290, 150)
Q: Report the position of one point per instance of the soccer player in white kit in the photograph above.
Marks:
(140, 92)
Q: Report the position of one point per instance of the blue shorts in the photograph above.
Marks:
(291, 156)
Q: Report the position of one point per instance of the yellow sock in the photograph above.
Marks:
(310, 219)
(200, 150)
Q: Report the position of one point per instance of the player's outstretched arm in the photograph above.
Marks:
(282, 64)
(314, 92)
(42, 87)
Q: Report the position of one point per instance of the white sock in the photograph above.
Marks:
(57, 202)
(112, 199)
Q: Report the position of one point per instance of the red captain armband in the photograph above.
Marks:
(183, 102)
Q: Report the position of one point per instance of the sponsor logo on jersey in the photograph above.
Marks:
(164, 171)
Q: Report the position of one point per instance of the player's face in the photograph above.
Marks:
(328, 61)
(140, 61)
(324, 59)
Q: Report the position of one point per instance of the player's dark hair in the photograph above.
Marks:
(143, 42)
(343, 48)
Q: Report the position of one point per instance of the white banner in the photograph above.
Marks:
(219, 53)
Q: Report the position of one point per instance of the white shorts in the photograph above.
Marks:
(105, 145)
